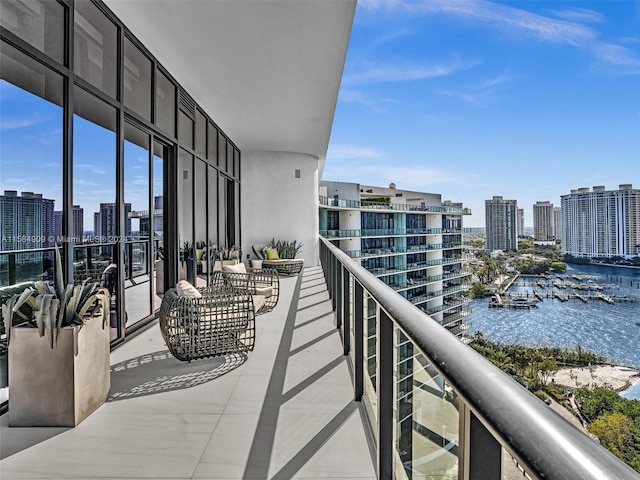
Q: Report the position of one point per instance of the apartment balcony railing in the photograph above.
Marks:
(382, 232)
(339, 233)
(437, 408)
(354, 204)
(416, 282)
(432, 231)
(449, 305)
(438, 293)
(375, 252)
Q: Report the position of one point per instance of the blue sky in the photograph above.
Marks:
(472, 99)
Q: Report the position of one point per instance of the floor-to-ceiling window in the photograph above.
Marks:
(105, 155)
(137, 228)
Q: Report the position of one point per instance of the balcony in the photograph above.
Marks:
(365, 205)
(287, 410)
(348, 380)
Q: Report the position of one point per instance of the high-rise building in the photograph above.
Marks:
(144, 217)
(557, 223)
(78, 223)
(105, 221)
(410, 240)
(601, 223)
(501, 218)
(26, 221)
(543, 222)
(520, 222)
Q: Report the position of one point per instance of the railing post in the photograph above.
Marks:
(12, 269)
(337, 299)
(480, 454)
(345, 307)
(385, 386)
(358, 333)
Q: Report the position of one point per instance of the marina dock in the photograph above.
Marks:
(577, 287)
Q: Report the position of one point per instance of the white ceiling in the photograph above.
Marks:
(267, 72)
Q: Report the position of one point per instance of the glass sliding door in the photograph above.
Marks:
(94, 197)
(160, 153)
(137, 235)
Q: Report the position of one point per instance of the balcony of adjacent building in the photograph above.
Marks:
(393, 207)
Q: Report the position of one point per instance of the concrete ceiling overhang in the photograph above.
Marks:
(267, 72)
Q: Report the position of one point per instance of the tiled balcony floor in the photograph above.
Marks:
(285, 412)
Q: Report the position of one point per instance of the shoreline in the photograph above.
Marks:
(616, 377)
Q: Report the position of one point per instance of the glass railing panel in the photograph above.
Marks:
(369, 396)
(432, 440)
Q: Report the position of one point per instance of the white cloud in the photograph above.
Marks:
(92, 168)
(409, 177)
(403, 71)
(345, 152)
(622, 58)
(8, 123)
(495, 81)
(582, 15)
(567, 30)
(465, 97)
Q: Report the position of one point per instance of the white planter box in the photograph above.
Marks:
(60, 386)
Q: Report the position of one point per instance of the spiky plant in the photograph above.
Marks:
(286, 249)
(52, 307)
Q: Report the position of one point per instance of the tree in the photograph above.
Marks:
(558, 266)
(612, 430)
(546, 368)
(478, 290)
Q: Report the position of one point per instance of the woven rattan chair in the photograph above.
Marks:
(263, 282)
(285, 267)
(221, 322)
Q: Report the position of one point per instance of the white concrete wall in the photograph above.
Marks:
(276, 204)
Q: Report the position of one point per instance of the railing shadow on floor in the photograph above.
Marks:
(277, 396)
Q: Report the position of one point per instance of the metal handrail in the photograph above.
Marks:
(544, 443)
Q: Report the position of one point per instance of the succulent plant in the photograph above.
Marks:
(286, 249)
(52, 307)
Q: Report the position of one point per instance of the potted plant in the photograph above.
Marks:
(186, 262)
(227, 256)
(58, 380)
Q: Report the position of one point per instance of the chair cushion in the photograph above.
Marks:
(258, 301)
(185, 289)
(263, 291)
(272, 254)
(257, 250)
(237, 268)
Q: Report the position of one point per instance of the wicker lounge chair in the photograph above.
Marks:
(220, 322)
(263, 282)
(284, 266)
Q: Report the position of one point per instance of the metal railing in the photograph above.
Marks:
(436, 407)
(355, 204)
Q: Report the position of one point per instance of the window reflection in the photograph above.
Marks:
(31, 159)
(95, 47)
(137, 80)
(94, 223)
(160, 152)
(166, 104)
(138, 225)
(38, 22)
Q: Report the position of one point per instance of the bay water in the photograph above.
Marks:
(612, 331)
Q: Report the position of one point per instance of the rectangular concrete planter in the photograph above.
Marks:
(60, 386)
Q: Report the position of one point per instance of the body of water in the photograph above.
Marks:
(612, 331)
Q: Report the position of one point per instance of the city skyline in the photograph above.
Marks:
(475, 99)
